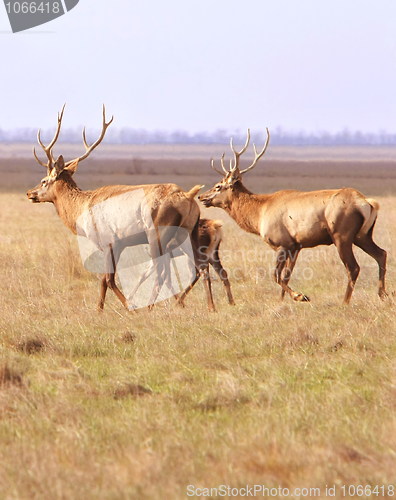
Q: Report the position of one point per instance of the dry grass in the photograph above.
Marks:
(120, 405)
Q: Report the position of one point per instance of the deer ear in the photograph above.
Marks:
(59, 165)
(72, 167)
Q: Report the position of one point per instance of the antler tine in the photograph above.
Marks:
(257, 156)
(38, 159)
(214, 168)
(237, 154)
(48, 149)
(85, 139)
(58, 129)
(222, 165)
(90, 148)
(39, 139)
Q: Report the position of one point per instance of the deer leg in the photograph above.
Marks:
(164, 245)
(159, 268)
(201, 269)
(208, 288)
(156, 251)
(288, 269)
(201, 264)
(111, 264)
(169, 265)
(110, 282)
(222, 273)
(346, 255)
(367, 244)
(180, 300)
(147, 273)
(103, 290)
(151, 268)
(204, 271)
(285, 278)
(164, 278)
(282, 269)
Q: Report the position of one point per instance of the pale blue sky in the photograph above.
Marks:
(201, 65)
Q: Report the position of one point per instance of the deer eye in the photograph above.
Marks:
(218, 187)
(43, 183)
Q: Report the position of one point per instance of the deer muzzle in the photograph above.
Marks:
(32, 196)
(206, 199)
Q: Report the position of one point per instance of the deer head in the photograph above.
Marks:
(59, 169)
(221, 193)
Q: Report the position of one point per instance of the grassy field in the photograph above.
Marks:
(125, 405)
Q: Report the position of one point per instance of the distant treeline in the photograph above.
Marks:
(278, 137)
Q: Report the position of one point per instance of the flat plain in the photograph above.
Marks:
(140, 405)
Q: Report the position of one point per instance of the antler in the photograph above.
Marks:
(236, 156)
(257, 156)
(89, 149)
(240, 153)
(48, 149)
(222, 165)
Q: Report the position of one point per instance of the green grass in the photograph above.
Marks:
(265, 392)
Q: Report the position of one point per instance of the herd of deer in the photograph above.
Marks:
(287, 220)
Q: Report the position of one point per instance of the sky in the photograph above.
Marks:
(203, 65)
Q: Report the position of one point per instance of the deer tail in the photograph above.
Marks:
(369, 212)
(194, 191)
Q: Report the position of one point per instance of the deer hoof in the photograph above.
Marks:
(300, 297)
(383, 295)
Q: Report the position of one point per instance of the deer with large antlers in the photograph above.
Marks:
(114, 217)
(292, 220)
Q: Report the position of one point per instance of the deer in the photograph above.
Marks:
(290, 220)
(138, 214)
(210, 235)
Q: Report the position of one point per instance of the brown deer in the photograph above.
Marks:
(292, 220)
(210, 236)
(137, 214)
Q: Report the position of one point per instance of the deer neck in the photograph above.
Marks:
(245, 208)
(70, 201)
